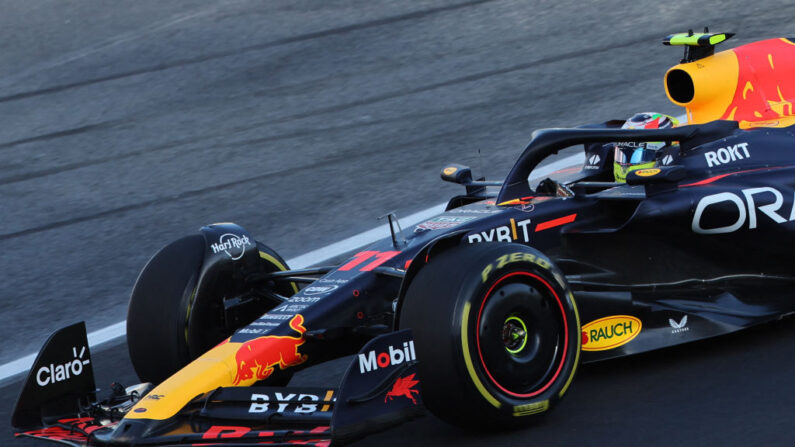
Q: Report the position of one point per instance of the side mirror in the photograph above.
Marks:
(456, 173)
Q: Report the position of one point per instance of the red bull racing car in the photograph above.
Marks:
(481, 314)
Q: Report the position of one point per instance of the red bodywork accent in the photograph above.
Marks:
(380, 258)
(565, 338)
(718, 177)
(555, 222)
(237, 432)
(57, 434)
(265, 353)
(763, 81)
(225, 431)
(404, 386)
(72, 429)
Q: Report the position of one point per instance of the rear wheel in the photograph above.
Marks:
(169, 324)
(497, 334)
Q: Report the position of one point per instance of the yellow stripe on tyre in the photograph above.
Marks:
(578, 341)
(468, 360)
(278, 265)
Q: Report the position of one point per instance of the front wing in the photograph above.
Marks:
(380, 389)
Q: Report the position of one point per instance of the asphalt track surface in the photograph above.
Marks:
(125, 126)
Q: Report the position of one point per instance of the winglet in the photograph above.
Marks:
(697, 45)
(61, 379)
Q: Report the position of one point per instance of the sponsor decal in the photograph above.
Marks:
(442, 222)
(290, 308)
(271, 316)
(318, 290)
(304, 299)
(264, 323)
(231, 244)
(678, 326)
(610, 332)
(525, 207)
(372, 361)
(727, 154)
(404, 386)
(250, 331)
(258, 357)
(593, 162)
(473, 211)
(292, 402)
(506, 233)
(450, 170)
(336, 281)
(745, 208)
(261, 323)
(155, 396)
(647, 172)
(513, 257)
(667, 160)
(58, 373)
(528, 409)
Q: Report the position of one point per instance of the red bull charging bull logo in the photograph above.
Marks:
(764, 86)
(258, 357)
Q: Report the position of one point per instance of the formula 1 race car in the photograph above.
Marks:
(481, 314)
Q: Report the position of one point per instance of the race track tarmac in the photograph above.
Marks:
(128, 125)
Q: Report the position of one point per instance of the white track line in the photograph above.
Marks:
(119, 329)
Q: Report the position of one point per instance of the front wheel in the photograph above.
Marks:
(497, 334)
(169, 323)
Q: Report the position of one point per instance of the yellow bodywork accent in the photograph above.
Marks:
(784, 121)
(748, 88)
(468, 360)
(327, 397)
(216, 368)
(714, 80)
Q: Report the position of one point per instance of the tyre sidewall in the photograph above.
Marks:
(505, 262)
(443, 315)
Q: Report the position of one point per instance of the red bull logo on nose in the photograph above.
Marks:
(258, 357)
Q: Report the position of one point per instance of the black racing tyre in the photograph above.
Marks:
(497, 334)
(168, 325)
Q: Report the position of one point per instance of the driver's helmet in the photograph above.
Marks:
(631, 156)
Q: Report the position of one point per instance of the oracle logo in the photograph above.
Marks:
(746, 210)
